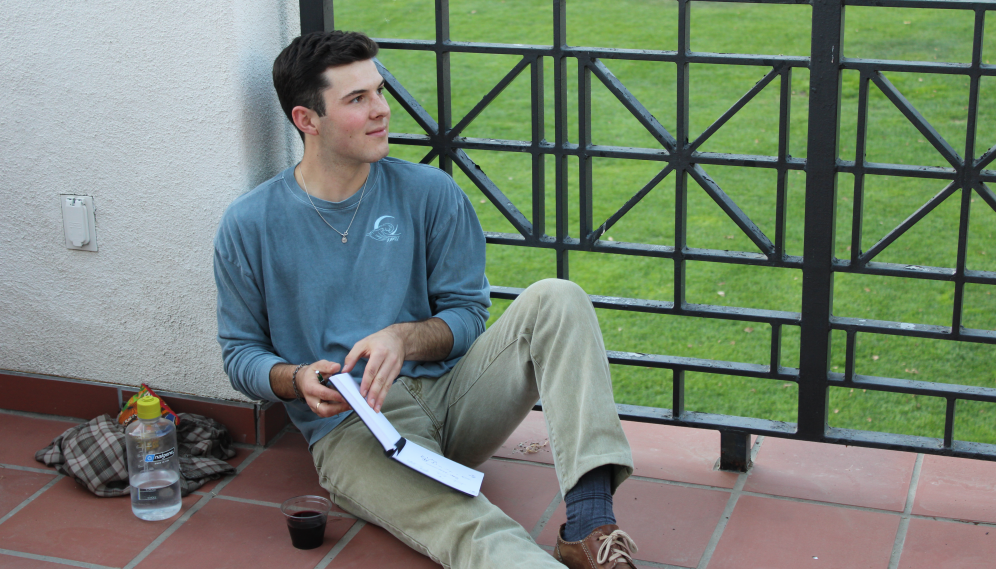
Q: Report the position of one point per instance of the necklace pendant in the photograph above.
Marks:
(343, 238)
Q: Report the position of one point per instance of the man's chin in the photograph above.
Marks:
(383, 154)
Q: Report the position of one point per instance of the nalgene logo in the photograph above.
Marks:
(159, 456)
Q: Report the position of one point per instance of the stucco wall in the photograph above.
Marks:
(164, 112)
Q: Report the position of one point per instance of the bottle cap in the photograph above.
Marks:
(148, 408)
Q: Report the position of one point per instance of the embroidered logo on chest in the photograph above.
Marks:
(385, 230)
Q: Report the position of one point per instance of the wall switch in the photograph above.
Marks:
(78, 222)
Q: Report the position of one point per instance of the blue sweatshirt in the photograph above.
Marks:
(289, 290)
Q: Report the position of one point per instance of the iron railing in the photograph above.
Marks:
(682, 159)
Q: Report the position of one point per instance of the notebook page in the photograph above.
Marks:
(452, 474)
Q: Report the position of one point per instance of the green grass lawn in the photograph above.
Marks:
(922, 35)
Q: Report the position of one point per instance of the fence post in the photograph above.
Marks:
(820, 217)
(316, 16)
(734, 452)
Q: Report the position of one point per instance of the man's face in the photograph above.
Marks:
(354, 128)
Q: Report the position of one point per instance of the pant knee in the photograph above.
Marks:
(556, 290)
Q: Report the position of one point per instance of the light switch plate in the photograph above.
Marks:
(67, 200)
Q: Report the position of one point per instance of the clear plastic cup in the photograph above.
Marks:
(306, 518)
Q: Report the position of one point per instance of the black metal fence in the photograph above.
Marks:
(679, 157)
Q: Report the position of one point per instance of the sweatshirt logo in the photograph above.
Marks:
(385, 230)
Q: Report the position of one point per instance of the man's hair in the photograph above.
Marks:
(298, 70)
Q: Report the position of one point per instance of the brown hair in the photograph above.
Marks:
(298, 70)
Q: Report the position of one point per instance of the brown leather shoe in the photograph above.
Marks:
(608, 547)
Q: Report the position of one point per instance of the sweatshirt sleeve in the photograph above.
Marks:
(243, 327)
(455, 258)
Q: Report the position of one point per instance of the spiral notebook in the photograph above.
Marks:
(437, 467)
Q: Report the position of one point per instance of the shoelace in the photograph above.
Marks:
(618, 544)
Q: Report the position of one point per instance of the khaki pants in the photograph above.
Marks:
(546, 345)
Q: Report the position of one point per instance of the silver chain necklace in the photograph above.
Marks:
(343, 233)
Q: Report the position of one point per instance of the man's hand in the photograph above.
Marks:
(387, 350)
(323, 401)
(385, 353)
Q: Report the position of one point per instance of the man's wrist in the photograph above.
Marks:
(297, 391)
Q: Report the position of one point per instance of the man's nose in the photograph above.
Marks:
(381, 108)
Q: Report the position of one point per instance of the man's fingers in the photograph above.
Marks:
(376, 360)
(330, 405)
(388, 381)
(383, 377)
(328, 409)
(378, 365)
(354, 355)
(323, 401)
(326, 367)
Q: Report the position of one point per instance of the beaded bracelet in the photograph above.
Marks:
(297, 392)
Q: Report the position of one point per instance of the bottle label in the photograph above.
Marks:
(146, 495)
(160, 456)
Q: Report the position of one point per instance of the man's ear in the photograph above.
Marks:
(305, 119)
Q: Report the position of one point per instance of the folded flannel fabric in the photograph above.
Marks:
(93, 454)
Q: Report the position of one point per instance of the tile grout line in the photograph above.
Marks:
(953, 521)
(167, 532)
(205, 498)
(656, 565)
(240, 500)
(632, 477)
(49, 559)
(522, 461)
(51, 471)
(823, 503)
(341, 544)
(152, 546)
(31, 498)
(679, 483)
(547, 514)
(904, 521)
(731, 503)
(238, 469)
(44, 416)
(272, 505)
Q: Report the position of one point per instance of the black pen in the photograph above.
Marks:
(324, 381)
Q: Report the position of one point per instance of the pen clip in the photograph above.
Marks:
(324, 381)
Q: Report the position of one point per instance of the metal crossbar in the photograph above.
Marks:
(965, 175)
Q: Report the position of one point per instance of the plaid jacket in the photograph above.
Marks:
(93, 454)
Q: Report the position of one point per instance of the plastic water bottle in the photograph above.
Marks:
(153, 465)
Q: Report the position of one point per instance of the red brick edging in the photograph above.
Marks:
(249, 423)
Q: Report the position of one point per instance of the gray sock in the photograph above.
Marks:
(589, 504)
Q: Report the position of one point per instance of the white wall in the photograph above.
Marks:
(164, 112)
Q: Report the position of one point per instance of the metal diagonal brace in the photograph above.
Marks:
(908, 223)
(757, 88)
(491, 96)
(408, 102)
(731, 208)
(986, 194)
(631, 203)
(914, 116)
(986, 158)
(500, 201)
(633, 105)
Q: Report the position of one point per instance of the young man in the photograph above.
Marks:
(355, 262)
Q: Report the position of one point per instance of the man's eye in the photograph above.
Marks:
(357, 99)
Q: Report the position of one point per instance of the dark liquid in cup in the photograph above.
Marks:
(307, 529)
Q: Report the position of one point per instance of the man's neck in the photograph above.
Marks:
(329, 180)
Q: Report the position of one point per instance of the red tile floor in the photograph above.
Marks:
(802, 505)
